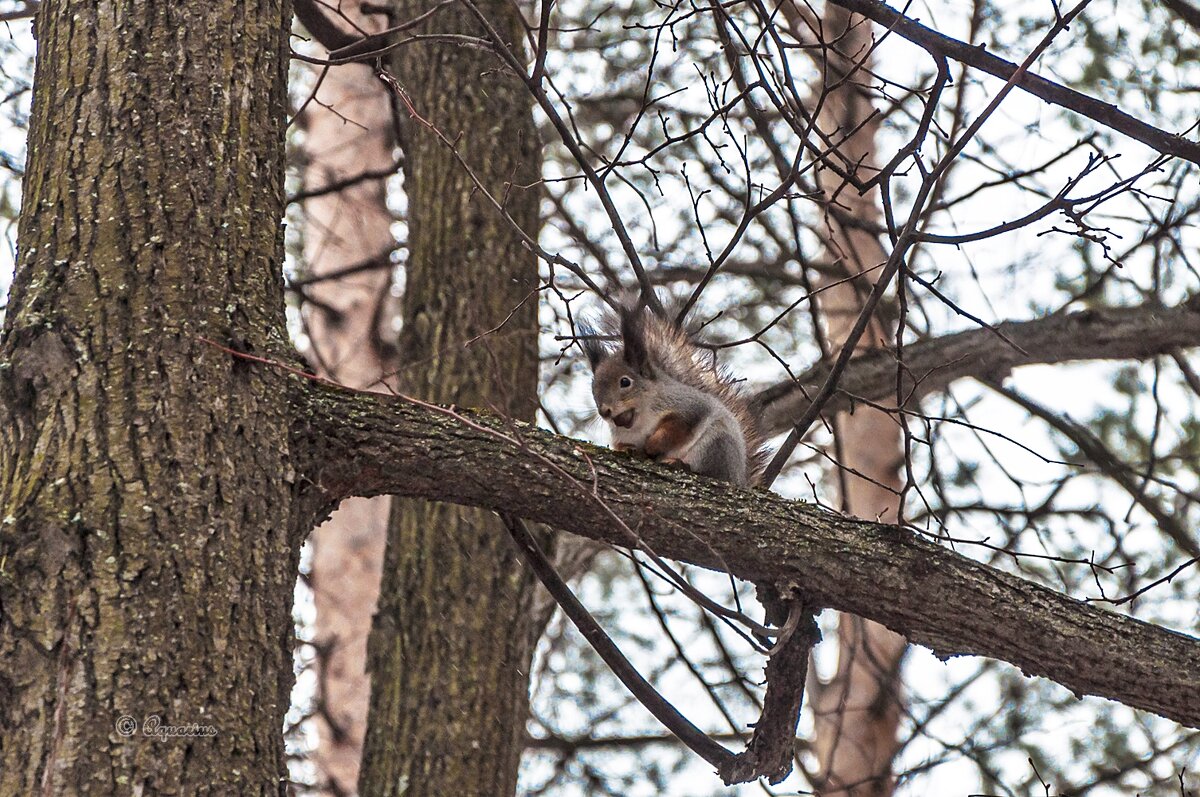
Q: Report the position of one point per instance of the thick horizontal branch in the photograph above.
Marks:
(1132, 333)
(361, 444)
(976, 56)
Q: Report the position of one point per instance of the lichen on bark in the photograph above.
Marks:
(148, 545)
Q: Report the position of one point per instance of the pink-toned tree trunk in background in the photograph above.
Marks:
(348, 131)
(858, 712)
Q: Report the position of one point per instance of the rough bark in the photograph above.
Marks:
(348, 133)
(452, 643)
(148, 545)
(934, 596)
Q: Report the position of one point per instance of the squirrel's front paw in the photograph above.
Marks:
(674, 462)
(633, 451)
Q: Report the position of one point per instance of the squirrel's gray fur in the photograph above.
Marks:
(657, 379)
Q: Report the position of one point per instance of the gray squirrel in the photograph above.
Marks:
(662, 395)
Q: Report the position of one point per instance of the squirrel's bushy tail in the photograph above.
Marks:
(669, 346)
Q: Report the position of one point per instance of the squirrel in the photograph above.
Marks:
(660, 397)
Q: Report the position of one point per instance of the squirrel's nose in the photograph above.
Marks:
(605, 413)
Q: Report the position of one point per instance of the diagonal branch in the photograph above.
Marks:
(323, 29)
(976, 56)
(1185, 11)
(1129, 333)
(646, 694)
(1095, 451)
(363, 444)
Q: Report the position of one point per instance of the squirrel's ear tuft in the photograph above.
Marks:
(633, 335)
(593, 346)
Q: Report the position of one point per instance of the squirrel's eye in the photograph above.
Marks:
(625, 382)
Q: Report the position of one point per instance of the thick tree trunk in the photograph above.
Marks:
(450, 652)
(147, 548)
(348, 326)
(858, 712)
